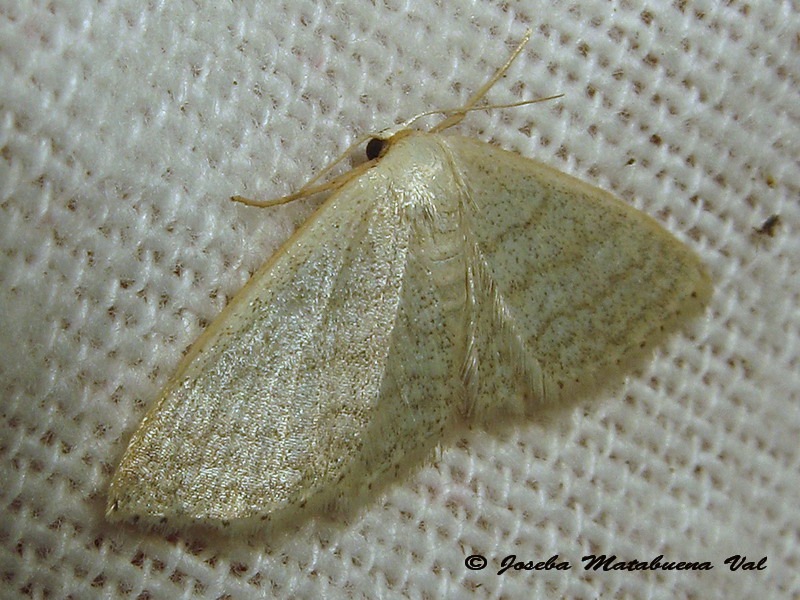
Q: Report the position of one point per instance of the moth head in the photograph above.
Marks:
(380, 142)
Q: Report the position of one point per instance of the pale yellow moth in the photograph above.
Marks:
(444, 282)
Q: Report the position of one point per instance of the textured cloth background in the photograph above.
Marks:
(124, 127)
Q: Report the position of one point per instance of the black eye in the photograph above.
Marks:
(374, 147)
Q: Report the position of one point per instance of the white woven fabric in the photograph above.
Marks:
(124, 126)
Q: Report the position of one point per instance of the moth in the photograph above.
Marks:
(443, 283)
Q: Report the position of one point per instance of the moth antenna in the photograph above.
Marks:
(456, 116)
(476, 97)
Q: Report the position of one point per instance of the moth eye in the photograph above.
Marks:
(374, 148)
